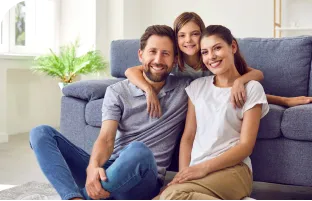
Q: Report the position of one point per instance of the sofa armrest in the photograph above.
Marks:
(89, 89)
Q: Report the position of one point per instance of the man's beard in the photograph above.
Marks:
(153, 77)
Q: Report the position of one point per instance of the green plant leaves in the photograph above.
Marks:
(66, 66)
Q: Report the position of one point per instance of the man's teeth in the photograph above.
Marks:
(157, 68)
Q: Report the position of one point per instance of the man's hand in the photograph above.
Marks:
(189, 173)
(93, 185)
(294, 101)
(238, 94)
(153, 105)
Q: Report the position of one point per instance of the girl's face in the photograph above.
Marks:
(217, 55)
(188, 38)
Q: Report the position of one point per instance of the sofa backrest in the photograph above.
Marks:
(123, 54)
(285, 62)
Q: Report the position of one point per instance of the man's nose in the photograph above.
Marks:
(158, 58)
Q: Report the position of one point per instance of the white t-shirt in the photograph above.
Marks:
(190, 72)
(218, 123)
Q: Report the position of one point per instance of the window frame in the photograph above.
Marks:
(4, 44)
(32, 46)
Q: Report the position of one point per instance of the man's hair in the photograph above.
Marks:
(158, 30)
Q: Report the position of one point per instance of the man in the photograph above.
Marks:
(133, 150)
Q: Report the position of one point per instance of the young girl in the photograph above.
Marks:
(214, 158)
(188, 27)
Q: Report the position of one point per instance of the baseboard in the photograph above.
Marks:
(4, 138)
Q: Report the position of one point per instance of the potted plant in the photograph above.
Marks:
(66, 66)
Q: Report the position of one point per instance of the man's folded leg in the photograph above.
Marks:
(133, 175)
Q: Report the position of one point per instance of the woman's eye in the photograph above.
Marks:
(217, 48)
(181, 36)
(204, 52)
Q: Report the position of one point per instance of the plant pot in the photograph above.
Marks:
(62, 85)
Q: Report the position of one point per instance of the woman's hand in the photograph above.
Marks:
(190, 173)
(153, 105)
(238, 94)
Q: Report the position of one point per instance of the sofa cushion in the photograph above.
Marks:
(89, 89)
(285, 63)
(297, 123)
(123, 54)
(93, 113)
(270, 125)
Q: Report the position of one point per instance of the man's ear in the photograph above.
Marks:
(140, 53)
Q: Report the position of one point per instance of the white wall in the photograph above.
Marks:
(30, 100)
(133, 16)
(297, 13)
(78, 20)
(245, 18)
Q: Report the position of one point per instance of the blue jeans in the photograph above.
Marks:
(133, 175)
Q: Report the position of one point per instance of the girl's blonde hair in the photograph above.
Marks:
(179, 22)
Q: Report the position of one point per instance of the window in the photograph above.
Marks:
(4, 34)
(30, 27)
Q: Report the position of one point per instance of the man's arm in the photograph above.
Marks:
(102, 150)
(104, 145)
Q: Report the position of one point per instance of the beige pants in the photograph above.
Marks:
(230, 183)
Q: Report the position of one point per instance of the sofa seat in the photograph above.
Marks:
(93, 113)
(296, 123)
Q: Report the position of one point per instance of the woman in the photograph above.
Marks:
(214, 158)
(188, 27)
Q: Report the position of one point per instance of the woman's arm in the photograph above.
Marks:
(187, 137)
(135, 76)
(288, 101)
(238, 92)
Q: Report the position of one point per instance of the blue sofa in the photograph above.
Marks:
(283, 151)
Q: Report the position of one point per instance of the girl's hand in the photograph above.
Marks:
(189, 173)
(294, 101)
(238, 94)
(153, 105)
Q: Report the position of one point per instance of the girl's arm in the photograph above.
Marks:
(288, 101)
(238, 92)
(187, 137)
(135, 76)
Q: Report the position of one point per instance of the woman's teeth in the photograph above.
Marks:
(215, 64)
